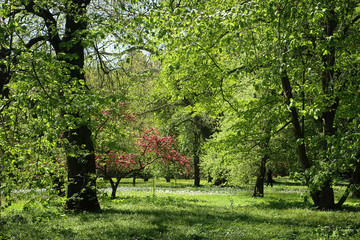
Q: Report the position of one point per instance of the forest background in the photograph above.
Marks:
(201, 89)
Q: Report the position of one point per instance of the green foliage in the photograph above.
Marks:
(202, 66)
(303, 50)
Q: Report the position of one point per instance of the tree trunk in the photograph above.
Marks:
(134, 180)
(5, 77)
(324, 198)
(356, 181)
(298, 131)
(81, 167)
(81, 192)
(114, 186)
(168, 178)
(264, 144)
(196, 159)
(259, 185)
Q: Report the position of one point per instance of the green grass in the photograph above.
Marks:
(180, 211)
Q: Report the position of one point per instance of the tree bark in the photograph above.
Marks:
(114, 186)
(81, 192)
(259, 185)
(264, 144)
(168, 178)
(323, 198)
(298, 131)
(356, 181)
(196, 159)
(134, 180)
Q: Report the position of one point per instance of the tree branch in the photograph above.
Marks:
(178, 103)
(134, 48)
(38, 79)
(5, 105)
(50, 23)
(355, 19)
(33, 41)
(211, 58)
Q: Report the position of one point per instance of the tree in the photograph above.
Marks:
(323, 51)
(66, 52)
(199, 67)
(151, 152)
(46, 77)
(286, 47)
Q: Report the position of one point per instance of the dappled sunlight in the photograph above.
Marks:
(184, 212)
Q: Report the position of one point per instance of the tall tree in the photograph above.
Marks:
(67, 43)
(299, 49)
(323, 42)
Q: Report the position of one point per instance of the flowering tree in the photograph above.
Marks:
(161, 150)
(122, 149)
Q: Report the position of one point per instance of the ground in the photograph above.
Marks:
(179, 211)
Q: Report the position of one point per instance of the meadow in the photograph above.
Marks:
(180, 211)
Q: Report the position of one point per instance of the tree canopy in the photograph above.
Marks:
(242, 86)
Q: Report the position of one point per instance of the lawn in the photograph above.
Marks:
(180, 211)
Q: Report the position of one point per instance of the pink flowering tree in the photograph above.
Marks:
(148, 151)
(113, 165)
(162, 153)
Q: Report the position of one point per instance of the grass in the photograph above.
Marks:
(180, 211)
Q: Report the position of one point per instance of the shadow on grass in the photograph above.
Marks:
(286, 182)
(284, 204)
(204, 219)
(144, 218)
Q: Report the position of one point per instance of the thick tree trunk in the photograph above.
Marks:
(324, 198)
(81, 168)
(81, 192)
